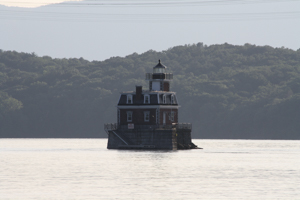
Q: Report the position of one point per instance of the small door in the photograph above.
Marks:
(164, 118)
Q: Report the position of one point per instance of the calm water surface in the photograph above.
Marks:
(85, 169)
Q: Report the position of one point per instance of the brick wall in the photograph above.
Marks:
(138, 116)
(166, 86)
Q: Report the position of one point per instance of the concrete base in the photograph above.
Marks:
(170, 139)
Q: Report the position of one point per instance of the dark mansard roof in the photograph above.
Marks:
(153, 99)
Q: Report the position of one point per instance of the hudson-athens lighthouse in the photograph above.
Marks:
(148, 119)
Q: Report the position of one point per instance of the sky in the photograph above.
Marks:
(29, 3)
(100, 29)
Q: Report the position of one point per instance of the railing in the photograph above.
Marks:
(110, 126)
(114, 126)
(169, 76)
(184, 126)
(150, 76)
(150, 127)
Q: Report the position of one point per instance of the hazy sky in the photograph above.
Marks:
(100, 29)
(30, 3)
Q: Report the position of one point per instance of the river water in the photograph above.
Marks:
(85, 169)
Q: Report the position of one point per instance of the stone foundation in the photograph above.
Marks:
(156, 139)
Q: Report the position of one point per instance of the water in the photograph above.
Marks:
(85, 169)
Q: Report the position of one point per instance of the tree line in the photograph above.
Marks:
(226, 91)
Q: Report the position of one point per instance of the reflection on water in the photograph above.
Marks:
(85, 169)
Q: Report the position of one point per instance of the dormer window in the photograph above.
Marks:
(146, 99)
(164, 99)
(172, 99)
(129, 99)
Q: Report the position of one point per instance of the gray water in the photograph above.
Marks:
(85, 169)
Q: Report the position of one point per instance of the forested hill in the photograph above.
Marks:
(226, 91)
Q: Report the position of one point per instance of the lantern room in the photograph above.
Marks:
(159, 80)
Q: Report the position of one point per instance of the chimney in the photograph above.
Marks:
(138, 93)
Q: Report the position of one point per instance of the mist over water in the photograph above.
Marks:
(85, 169)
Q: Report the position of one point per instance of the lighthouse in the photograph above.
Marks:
(148, 119)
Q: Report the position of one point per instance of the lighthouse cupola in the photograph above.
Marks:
(159, 80)
(159, 68)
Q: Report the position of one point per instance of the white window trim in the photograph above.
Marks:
(146, 95)
(129, 97)
(119, 118)
(145, 116)
(129, 115)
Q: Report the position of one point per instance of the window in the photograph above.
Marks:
(164, 99)
(129, 99)
(172, 99)
(146, 99)
(172, 116)
(159, 70)
(147, 116)
(129, 116)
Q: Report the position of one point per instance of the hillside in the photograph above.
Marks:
(226, 91)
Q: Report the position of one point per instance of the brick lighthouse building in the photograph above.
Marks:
(148, 119)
